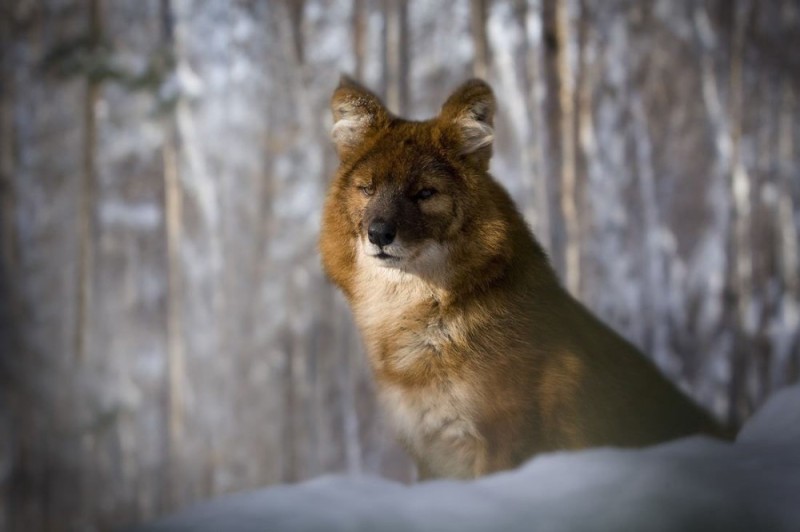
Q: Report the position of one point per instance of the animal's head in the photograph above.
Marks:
(411, 195)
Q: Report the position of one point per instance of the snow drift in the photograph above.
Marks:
(690, 484)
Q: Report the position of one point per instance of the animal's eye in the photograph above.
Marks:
(425, 193)
(367, 190)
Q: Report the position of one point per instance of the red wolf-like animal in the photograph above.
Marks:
(481, 358)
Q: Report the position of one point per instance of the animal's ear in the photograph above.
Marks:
(357, 114)
(469, 114)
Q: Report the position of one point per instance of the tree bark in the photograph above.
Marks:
(561, 117)
(397, 57)
(88, 194)
(480, 63)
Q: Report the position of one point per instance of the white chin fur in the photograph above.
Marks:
(430, 258)
(395, 249)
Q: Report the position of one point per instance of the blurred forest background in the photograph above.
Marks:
(166, 333)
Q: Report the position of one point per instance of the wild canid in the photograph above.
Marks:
(481, 358)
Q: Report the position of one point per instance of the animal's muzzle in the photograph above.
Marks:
(381, 233)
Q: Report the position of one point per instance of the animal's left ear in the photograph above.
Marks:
(469, 114)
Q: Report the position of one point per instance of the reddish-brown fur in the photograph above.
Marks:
(481, 358)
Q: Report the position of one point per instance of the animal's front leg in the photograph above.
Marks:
(459, 451)
(480, 464)
(424, 472)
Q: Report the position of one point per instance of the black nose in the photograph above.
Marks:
(381, 233)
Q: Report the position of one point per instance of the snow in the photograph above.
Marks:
(691, 484)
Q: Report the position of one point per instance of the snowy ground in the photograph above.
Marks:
(690, 484)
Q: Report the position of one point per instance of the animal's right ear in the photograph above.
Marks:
(357, 114)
